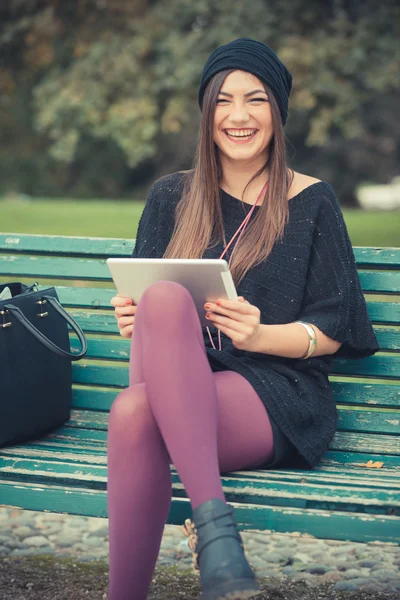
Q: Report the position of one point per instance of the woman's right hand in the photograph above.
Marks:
(125, 314)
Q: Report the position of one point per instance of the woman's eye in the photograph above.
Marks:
(252, 100)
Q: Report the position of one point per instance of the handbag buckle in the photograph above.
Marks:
(42, 314)
(33, 288)
(4, 324)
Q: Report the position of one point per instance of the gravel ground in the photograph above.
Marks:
(291, 565)
(48, 578)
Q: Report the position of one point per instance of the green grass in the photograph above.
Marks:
(117, 218)
(92, 218)
(373, 228)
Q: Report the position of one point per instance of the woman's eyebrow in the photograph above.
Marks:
(246, 95)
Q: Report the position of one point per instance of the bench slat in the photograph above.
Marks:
(106, 348)
(245, 489)
(99, 298)
(84, 373)
(376, 394)
(70, 246)
(100, 375)
(380, 281)
(53, 266)
(384, 312)
(88, 297)
(378, 365)
(352, 441)
(365, 421)
(17, 242)
(89, 269)
(343, 440)
(340, 468)
(333, 525)
(379, 312)
(339, 474)
(362, 421)
(336, 459)
(96, 322)
(105, 322)
(348, 392)
(377, 257)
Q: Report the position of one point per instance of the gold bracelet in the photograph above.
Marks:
(313, 340)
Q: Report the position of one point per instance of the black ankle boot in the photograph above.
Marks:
(224, 570)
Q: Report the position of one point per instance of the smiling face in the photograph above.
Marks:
(243, 125)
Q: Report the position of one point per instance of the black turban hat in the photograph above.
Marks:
(255, 57)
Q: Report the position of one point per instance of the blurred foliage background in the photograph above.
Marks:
(99, 97)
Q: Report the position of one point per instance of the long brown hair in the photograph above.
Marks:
(199, 219)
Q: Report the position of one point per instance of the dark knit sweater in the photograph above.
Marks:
(310, 275)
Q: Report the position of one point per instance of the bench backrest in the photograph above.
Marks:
(367, 392)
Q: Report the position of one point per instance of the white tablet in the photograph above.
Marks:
(206, 279)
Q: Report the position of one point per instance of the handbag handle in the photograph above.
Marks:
(20, 317)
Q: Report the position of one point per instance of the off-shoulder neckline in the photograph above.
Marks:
(296, 197)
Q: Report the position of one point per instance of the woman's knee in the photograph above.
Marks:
(131, 411)
(164, 304)
(131, 418)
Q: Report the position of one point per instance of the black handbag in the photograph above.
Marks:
(35, 362)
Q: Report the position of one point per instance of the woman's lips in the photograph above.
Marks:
(241, 140)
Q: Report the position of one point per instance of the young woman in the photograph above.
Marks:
(262, 397)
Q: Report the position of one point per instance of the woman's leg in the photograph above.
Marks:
(138, 494)
(181, 395)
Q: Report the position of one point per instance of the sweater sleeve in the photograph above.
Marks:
(157, 222)
(146, 236)
(333, 299)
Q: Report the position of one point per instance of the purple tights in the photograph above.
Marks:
(175, 410)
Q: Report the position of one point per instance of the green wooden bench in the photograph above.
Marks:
(340, 499)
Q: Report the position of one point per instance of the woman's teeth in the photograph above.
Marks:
(245, 134)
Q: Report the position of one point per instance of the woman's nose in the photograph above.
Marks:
(239, 114)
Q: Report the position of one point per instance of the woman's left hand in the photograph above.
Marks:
(238, 319)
